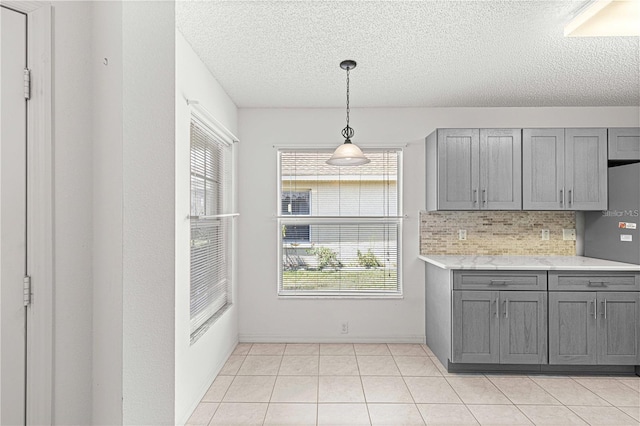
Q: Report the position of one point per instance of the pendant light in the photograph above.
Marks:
(347, 154)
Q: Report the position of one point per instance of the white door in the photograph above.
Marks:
(13, 142)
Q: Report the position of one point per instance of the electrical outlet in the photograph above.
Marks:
(545, 234)
(569, 234)
(462, 234)
(344, 329)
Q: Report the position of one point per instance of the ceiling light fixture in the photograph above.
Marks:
(348, 154)
(606, 18)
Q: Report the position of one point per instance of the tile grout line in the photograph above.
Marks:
(409, 390)
(318, 394)
(459, 397)
(364, 395)
(513, 403)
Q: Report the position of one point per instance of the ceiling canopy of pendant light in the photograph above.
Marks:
(347, 154)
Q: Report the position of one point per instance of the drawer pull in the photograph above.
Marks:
(500, 282)
(598, 283)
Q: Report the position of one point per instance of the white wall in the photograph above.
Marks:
(148, 212)
(197, 365)
(73, 222)
(107, 213)
(264, 317)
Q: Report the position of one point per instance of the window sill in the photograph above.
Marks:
(340, 296)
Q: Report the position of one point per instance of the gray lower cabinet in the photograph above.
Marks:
(592, 328)
(476, 332)
(564, 169)
(523, 327)
(618, 324)
(507, 327)
(572, 327)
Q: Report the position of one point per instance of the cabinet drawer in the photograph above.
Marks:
(492, 280)
(594, 281)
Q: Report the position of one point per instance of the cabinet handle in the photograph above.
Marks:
(506, 308)
(605, 308)
(475, 196)
(497, 307)
(570, 197)
(598, 283)
(595, 309)
(484, 197)
(562, 197)
(500, 282)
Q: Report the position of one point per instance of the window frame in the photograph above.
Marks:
(340, 220)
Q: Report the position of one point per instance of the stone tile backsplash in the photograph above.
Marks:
(496, 233)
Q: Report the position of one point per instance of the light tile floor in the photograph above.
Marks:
(399, 384)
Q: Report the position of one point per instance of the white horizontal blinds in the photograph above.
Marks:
(339, 226)
(210, 233)
(367, 190)
(360, 258)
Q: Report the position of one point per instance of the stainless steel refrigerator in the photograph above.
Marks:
(614, 234)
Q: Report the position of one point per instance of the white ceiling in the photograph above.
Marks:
(418, 53)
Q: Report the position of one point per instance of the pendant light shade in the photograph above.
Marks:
(347, 154)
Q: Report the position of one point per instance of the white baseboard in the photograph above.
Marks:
(287, 338)
(210, 378)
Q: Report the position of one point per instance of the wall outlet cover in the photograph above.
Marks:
(462, 234)
(344, 328)
(569, 234)
(545, 234)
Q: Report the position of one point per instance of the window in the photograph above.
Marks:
(339, 227)
(295, 203)
(211, 226)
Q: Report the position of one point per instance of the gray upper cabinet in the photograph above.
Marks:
(523, 327)
(624, 143)
(458, 169)
(586, 169)
(500, 169)
(618, 340)
(564, 169)
(470, 169)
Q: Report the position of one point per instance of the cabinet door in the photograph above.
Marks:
(523, 327)
(475, 333)
(572, 327)
(586, 169)
(624, 143)
(618, 324)
(501, 169)
(543, 169)
(458, 165)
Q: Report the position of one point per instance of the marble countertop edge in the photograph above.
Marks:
(540, 263)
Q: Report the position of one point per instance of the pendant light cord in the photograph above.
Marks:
(348, 109)
(347, 132)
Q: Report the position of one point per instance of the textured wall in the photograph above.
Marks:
(496, 233)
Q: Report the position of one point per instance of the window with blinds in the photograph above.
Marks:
(211, 226)
(339, 227)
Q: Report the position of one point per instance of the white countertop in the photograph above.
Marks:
(544, 263)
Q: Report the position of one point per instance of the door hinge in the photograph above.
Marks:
(26, 289)
(27, 83)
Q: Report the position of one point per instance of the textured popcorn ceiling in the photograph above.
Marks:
(426, 53)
